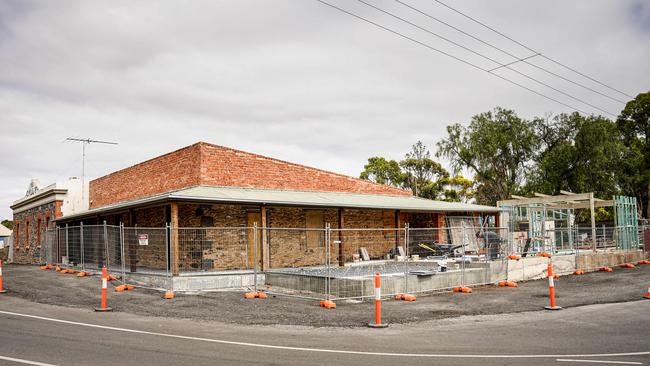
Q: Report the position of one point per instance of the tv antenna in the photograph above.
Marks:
(85, 142)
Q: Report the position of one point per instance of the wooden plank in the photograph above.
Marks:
(608, 203)
(340, 226)
(543, 200)
(253, 218)
(593, 218)
(315, 220)
(265, 242)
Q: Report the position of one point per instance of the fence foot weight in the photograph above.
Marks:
(514, 257)
(327, 304)
(579, 272)
(3, 291)
(374, 325)
(644, 262)
(101, 310)
(553, 307)
(605, 269)
(83, 274)
(464, 290)
(508, 284)
(168, 295)
(628, 265)
(405, 297)
(255, 295)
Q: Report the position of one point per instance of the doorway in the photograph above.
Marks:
(251, 219)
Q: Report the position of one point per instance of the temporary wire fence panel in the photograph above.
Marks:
(146, 250)
(216, 249)
(292, 248)
(316, 263)
(94, 247)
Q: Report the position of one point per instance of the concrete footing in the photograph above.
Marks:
(524, 269)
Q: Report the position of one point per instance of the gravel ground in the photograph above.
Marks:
(49, 287)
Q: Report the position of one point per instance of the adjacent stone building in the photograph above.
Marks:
(37, 211)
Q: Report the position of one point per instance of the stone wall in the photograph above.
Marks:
(213, 237)
(29, 232)
(378, 243)
(297, 247)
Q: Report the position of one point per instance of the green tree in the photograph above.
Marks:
(497, 147)
(579, 154)
(418, 172)
(634, 124)
(382, 171)
(457, 189)
(8, 224)
(423, 174)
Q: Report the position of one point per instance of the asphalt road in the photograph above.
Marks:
(49, 287)
(71, 336)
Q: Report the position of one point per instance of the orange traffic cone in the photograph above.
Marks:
(2, 290)
(103, 306)
(647, 294)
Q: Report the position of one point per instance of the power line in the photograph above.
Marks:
(449, 55)
(487, 58)
(524, 60)
(530, 49)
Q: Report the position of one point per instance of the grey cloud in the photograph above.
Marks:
(291, 79)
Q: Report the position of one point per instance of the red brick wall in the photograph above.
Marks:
(175, 170)
(221, 166)
(206, 164)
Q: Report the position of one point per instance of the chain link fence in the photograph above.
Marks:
(318, 263)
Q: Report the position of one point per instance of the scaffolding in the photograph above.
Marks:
(548, 223)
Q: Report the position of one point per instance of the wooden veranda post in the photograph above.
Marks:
(265, 242)
(340, 226)
(593, 218)
(174, 238)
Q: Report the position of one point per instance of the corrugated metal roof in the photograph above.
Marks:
(325, 199)
(296, 198)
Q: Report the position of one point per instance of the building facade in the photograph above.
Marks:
(37, 211)
(214, 187)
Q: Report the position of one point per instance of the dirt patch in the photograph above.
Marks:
(49, 287)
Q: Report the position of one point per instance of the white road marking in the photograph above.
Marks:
(26, 362)
(600, 361)
(319, 350)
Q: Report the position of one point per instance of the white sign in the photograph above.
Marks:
(143, 239)
(2, 243)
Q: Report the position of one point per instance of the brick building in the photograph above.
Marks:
(207, 186)
(37, 211)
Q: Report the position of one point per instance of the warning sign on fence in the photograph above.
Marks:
(143, 239)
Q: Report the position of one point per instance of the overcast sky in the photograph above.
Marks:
(291, 79)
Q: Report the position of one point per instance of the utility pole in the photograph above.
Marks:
(85, 142)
